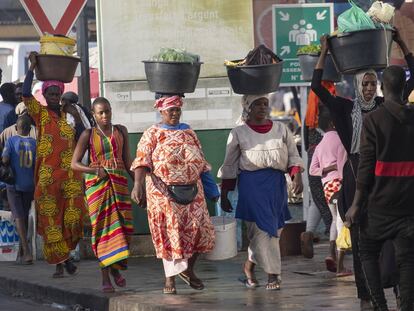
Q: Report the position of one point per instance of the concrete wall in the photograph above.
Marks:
(131, 31)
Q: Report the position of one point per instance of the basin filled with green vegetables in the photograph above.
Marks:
(308, 57)
(172, 71)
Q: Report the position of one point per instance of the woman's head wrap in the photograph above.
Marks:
(358, 78)
(49, 83)
(165, 103)
(247, 101)
(312, 111)
(360, 104)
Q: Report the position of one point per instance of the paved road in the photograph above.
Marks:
(9, 303)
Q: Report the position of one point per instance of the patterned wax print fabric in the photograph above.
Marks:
(108, 200)
(175, 157)
(60, 203)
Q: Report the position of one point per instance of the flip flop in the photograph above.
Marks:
(70, 266)
(344, 273)
(24, 262)
(108, 288)
(58, 275)
(119, 280)
(193, 283)
(249, 282)
(330, 264)
(169, 291)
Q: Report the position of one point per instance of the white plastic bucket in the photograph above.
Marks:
(226, 238)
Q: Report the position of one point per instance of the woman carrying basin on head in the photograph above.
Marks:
(259, 152)
(348, 116)
(167, 168)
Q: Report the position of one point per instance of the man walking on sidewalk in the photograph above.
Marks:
(385, 185)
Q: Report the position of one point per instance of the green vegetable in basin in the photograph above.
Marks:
(310, 49)
(175, 55)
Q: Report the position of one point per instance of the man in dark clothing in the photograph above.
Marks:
(385, 189)
(7, 114)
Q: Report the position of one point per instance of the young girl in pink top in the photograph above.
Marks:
(328, 161)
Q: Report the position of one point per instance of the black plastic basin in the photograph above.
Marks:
(172, 77)
(308, 63)
(359, 50)
(255, 79)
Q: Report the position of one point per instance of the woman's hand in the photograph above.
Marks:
(33, 60)
(297, 185)
(396, 36)
(225, 203)
(101, 173)
(329, 169)
(138, 195)
(324, 44)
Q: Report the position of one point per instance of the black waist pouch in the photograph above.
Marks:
(183, 194)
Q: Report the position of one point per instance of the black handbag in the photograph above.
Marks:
(183, 194)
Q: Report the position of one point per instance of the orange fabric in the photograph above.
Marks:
(312, 111)
(59, 194)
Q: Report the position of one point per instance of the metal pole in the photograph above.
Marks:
(84, 91)
(306, 194)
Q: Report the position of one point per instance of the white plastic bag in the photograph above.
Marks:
(381, 12)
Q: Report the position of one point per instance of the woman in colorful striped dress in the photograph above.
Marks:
(107, 191)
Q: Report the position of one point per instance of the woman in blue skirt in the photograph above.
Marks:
(259, 152)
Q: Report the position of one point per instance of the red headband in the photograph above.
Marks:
(165, 103)
(49, 83)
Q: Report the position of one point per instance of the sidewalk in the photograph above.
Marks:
(306, 286)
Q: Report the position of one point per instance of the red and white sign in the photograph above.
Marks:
(53, 17)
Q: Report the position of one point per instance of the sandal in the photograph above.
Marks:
(118, 278)
(250, 283)
(108, 288)
(58, 275)
(193, 283)
(273, 283)
(344, 273)
(169, 290)
(70, 266)
(330, 264)
(306, 244)
(59, 272)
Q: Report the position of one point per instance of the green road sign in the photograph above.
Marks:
(294, 26)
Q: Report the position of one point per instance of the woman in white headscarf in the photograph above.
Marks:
(259, 152)
(348, 116)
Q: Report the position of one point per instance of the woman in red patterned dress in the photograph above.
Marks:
(169, 154)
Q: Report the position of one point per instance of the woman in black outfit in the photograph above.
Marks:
(348, 116)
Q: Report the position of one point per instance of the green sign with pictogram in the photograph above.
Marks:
(294, 26)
